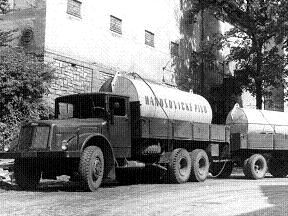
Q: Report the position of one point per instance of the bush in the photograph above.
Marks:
(24, 80)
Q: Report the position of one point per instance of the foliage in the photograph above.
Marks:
(200, 60)
(6, 37)
(256, 41)
(24, 79)
(4, 6)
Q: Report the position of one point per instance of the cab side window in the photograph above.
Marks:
(117, 106)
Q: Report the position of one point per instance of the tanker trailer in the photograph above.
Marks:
(259, 141)
(172, 128)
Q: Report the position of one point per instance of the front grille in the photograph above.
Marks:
(34, 137)
(25, 139)
(40, 137)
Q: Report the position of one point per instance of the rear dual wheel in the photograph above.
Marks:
(200, 165)
(179, 166)
(185, 167)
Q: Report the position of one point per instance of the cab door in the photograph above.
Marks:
(119, 126)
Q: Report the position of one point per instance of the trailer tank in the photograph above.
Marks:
(259, 141)
(161, 101)
(249, 121)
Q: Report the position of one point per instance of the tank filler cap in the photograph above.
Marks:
(236, 106)
(233, 112)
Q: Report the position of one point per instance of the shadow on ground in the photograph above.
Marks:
(63, 184)
(277, 196)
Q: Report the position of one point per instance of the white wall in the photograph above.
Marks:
(89, 39)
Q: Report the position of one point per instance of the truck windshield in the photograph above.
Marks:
(81, 106)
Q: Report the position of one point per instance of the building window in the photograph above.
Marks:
(149, 38)
(174, 49)
(115, 24)
(74, 8)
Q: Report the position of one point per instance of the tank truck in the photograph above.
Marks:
(130, 124)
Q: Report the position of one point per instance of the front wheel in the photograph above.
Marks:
(91, 168)
(255, 167)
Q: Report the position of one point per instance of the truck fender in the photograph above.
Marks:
(102, 142)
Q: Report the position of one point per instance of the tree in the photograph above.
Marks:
(256, 41)
(24, 79)
(4, 6)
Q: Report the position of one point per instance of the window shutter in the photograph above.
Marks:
(115, 24)
(149, 38)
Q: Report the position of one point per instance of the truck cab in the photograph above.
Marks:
(110, 111)
(89, 127)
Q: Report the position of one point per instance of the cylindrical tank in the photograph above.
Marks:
(160, 101)
(247, 121)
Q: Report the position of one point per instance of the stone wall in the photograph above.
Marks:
(73, 76)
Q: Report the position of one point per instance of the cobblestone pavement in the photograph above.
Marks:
(233, 196)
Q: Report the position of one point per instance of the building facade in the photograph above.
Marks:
(88, 41)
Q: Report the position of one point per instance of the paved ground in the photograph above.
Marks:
(234, 196)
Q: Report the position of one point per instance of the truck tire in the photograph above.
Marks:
(222, 170)
(245, 168)
(255, 167)
(200, 165)
(91, 168)
(151, 150)
(179, 167)
(27, 174)
(277, 168)
(150, 154)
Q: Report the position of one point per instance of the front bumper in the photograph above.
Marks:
(40, 154)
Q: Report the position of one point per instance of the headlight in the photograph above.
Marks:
(6, 147)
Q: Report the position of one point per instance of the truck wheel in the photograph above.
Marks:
(277, 168)
(222, 170)
(179, 168)
(91, 168)
(245, 168)
(255, 167)
(27, 174)
(200, 165)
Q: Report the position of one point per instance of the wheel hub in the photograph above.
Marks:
(258, 166)
(183, 167)
(97, 168)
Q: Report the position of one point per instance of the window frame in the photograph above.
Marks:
(121, 110)
(116, 26)
(149, 38)
(71, 5)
